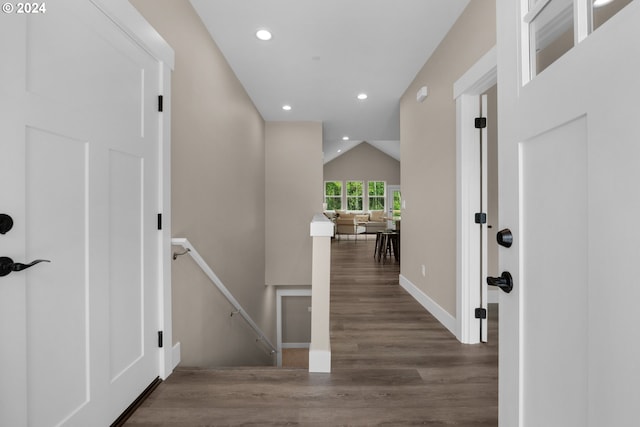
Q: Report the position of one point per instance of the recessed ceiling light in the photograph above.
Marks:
(345, 138)
(362, 96)
(598, 3)
(286, 107)
(263, 34)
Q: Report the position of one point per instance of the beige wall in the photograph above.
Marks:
(218, 201)
(293, 189)
(296, 319)
(428, 141)
(364, 162)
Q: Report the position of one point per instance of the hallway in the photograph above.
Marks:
(392, 364)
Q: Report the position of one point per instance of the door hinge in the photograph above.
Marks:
(481, 218)
(159, 221)
(481, 122)
(481, 313)
(160, 99)
(160, 342)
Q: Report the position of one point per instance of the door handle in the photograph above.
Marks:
(7, 265)
(504, 282)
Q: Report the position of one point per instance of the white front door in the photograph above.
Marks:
(569, 172)
(79, 167)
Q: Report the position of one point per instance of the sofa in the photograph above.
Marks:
(349, 226)
(369, 222)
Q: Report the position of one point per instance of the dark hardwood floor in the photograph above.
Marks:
(392, 364)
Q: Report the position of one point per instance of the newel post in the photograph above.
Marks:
(320, 348)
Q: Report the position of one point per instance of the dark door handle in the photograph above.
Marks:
(7, 265)
(504, 282)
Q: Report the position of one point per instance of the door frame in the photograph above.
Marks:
(466, 92)
(280, 294)
(132, 23)
(390, 190)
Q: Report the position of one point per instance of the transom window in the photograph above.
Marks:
(555, 26)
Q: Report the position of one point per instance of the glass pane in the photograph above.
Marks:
(376, 188)
(603, 10)
(397, 202)
(354, 203)
(551, 34)
(376, 203)
(333, 203)
(333, 188)
(354, 188)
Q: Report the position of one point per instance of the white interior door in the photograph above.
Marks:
(568, 146)
(80, 168)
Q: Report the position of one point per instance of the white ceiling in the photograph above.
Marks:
(324, 53)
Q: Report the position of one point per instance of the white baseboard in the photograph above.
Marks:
(319, 361)
(443, 316)
(175, 355)
(295, 345)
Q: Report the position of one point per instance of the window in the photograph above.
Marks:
(355, 195)
(603, 10)
(376, 195)
(555, 26)
(551, 30)
(333, 195)
(397, 203)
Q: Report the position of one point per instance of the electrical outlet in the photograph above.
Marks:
(424, 270)
(309, 308)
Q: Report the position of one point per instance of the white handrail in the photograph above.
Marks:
(180, 241)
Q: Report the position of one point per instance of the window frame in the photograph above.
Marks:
(376, 196)
(584, 23)
(334, 196)
(356, 196)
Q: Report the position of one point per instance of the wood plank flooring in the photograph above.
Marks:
(393, 364)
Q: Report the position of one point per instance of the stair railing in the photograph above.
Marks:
(189, 249)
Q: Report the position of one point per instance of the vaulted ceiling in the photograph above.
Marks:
(324, 53)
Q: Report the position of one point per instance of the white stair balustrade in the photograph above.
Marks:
(321, 230)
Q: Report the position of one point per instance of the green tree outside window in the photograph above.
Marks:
(376, 195)
(333, 195)
(355, 195)
(397, 203)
